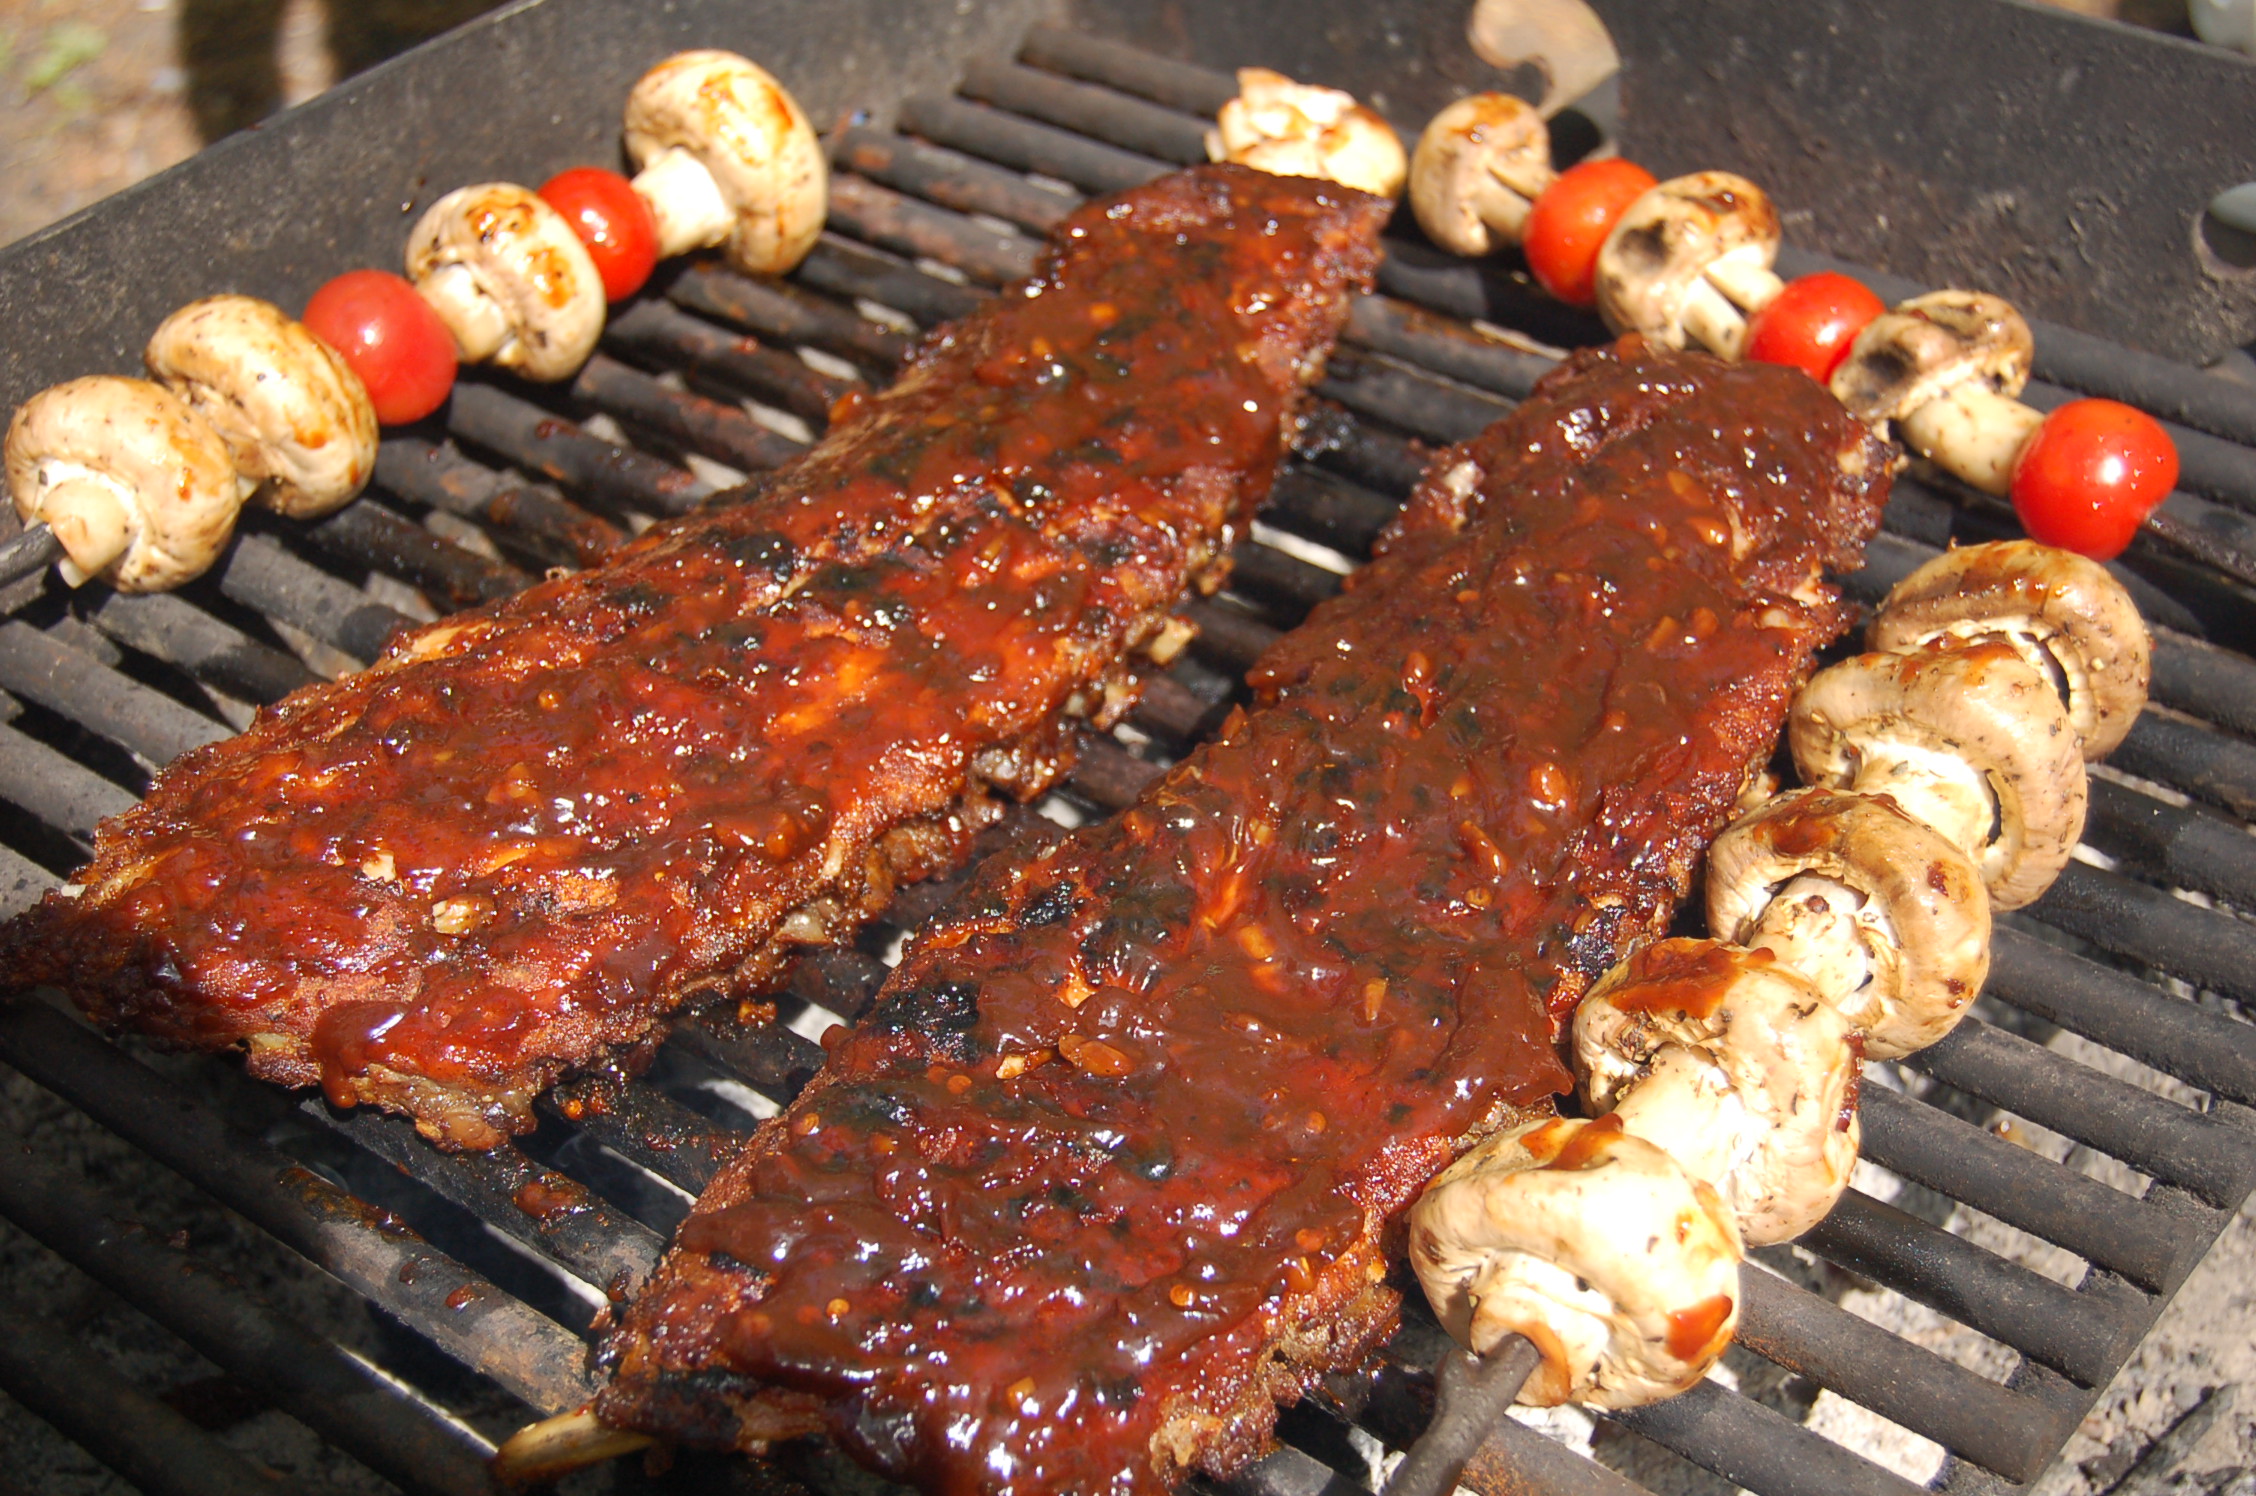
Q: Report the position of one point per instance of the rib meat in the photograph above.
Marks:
(1114, 1163)
(530, 831)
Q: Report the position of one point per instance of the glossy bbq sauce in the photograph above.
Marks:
(539, 822)
(1150, 1099)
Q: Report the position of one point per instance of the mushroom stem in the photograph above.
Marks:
(555, 1447)
(1811, 926)
(688, 204)
(1729, 291)
(479, 323)
(93, 518)
(1973, 433)
(1746, 280)
(1929, 784)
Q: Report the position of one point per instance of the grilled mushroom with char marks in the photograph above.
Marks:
(1882, 915)
(509, 278)
(1619, 1267)
(1477, 171)
(1689, 262)
(1300, 130)
(1945, 367)
(1966, 736)
(137, 487)
(1737, 1066)
(292, 413)
(725, 156)
(2069, 619)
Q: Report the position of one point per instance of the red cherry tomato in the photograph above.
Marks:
(1812, 323)
(390, 337)
(2091, 474)
(1571, 220)
(613, 222)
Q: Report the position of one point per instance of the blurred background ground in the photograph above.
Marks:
(97, 94)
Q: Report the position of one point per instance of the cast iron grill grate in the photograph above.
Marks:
(2137, 950)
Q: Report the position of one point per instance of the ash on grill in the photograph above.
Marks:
(2135, 965)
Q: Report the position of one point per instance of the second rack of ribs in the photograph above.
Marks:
(530, 831)
(1112, 1165)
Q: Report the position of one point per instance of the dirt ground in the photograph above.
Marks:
(97, 94)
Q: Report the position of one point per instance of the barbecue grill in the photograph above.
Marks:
(961, 135)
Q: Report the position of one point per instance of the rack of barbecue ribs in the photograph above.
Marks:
(1117, 1160)
(531, 831)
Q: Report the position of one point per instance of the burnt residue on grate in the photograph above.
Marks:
(506, 1262)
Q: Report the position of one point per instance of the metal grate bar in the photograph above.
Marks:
(1902, 1382)
(1979, 1289)
(530, 1355)
(546, 1210)
(54, 788)
(335, 1394)
(1117, 119)
(1749, 1444)
(655, 332)
(2149, 925)
(2212, 1158)
(789, 314)
(2184, 845)
(1028, 145)
(166, 628)
(365, 533)
(531, 517)
(1180, 86)
(151, 724)
(2104, 1226)
(260, 574)
(610, 476)
(710, 428)
(156, 1449)
(895, 221)
(950, 178)
(2199, 1046)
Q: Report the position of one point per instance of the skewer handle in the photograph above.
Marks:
(29, 553)
(1474, 1392)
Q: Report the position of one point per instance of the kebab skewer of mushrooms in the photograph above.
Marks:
(1688, 261)
(139, 482)
(114, 479)
(1845, 927)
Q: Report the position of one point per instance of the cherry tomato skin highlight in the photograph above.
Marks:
(2091, 474)
(613, 222)
(1570, 221)
(390, 337)
(1812, 323)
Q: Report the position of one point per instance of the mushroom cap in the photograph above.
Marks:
(1478, 169)
(1907, 357)
(1663, 243)
(1971, 700)
(1300, 130)
(750, 133)
(524, 266)
(1619, 1267)
(105, 440)
(292, 412)
(1735, 1064)
(1922, 917)
(2071, 620)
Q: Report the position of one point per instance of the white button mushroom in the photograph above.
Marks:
(1945, 368)
(136, 486)
(1689, 261)
(1731, 1061)
(1477, 171)
(1299, 130)
(1885, 918)
(2069, 619)
(1622, 1270)
(726, 157)
(1965, 736)
(509, 278)
(293, 414)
